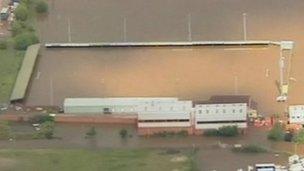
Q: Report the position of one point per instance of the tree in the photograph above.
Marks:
(46, 131)
(41, 6)
(21, 12)
(276, 133)
(300, 137)
(123, 133)
(228, 131)
(91, 133)
(23, 40)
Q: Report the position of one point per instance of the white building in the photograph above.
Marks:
(296, 114)
(109, 105)
(214, 116)
(165, 114)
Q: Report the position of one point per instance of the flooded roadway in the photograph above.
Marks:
(189, 73)
(210, 155)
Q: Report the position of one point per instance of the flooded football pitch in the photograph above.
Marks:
(187, 73)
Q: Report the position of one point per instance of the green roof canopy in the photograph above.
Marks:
(25, 72)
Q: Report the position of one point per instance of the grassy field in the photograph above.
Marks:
(10, 61)
(97, 160)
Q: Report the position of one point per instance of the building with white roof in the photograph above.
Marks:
(296, 114)
(214, 116)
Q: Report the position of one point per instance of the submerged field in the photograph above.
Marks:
(10, 61)
(84, 160)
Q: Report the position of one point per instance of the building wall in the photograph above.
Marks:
(296, 114)
(213, 116)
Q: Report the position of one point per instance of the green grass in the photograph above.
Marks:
(10, 62)
(97, 160)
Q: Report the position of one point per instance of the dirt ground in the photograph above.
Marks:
(188, 73)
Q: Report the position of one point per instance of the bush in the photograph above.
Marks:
(300, 137)
(23, 40)
(21, 12)
(123, 133)
(251, 148)
(228, 131)
(224, 131)
(19, 27)
(211, 132)
(46, 131)
(288, 137)
(41, 119)
(276, 133)
(91, 133)
(3, 44)
(41, 6)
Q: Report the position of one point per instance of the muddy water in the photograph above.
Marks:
(210, 155)
(186, 73)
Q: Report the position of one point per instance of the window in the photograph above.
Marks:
(200, 111)
(233, 110)
(241, 110)
(207, 111)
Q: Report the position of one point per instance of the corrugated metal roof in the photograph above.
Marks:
(124, 101)
(25, 72)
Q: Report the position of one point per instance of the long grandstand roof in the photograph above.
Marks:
(25, 72)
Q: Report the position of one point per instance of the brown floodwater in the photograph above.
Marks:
(188, 73)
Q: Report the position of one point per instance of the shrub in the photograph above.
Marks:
(300, 137)
(3, 44)
(123, 133)
(276, 133)
(288, 137)
(91, 133)
(228, 131)
(23, 40)
(21, 12)
(41, 119)
(19, 27)
(211, 132)
(46, 131)
(251, 148)
(41, 6)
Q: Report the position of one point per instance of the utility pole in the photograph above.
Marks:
(189, 28)
(69, 30)
(245, 26)
(125, 29)
(51, 92)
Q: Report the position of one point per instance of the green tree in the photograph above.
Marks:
(276, 133)
(23, 40)
(91, 133)
(300, 137)
(46, 131)
(41, 6)
(21, 12)
(228, 131)
(123, 133)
